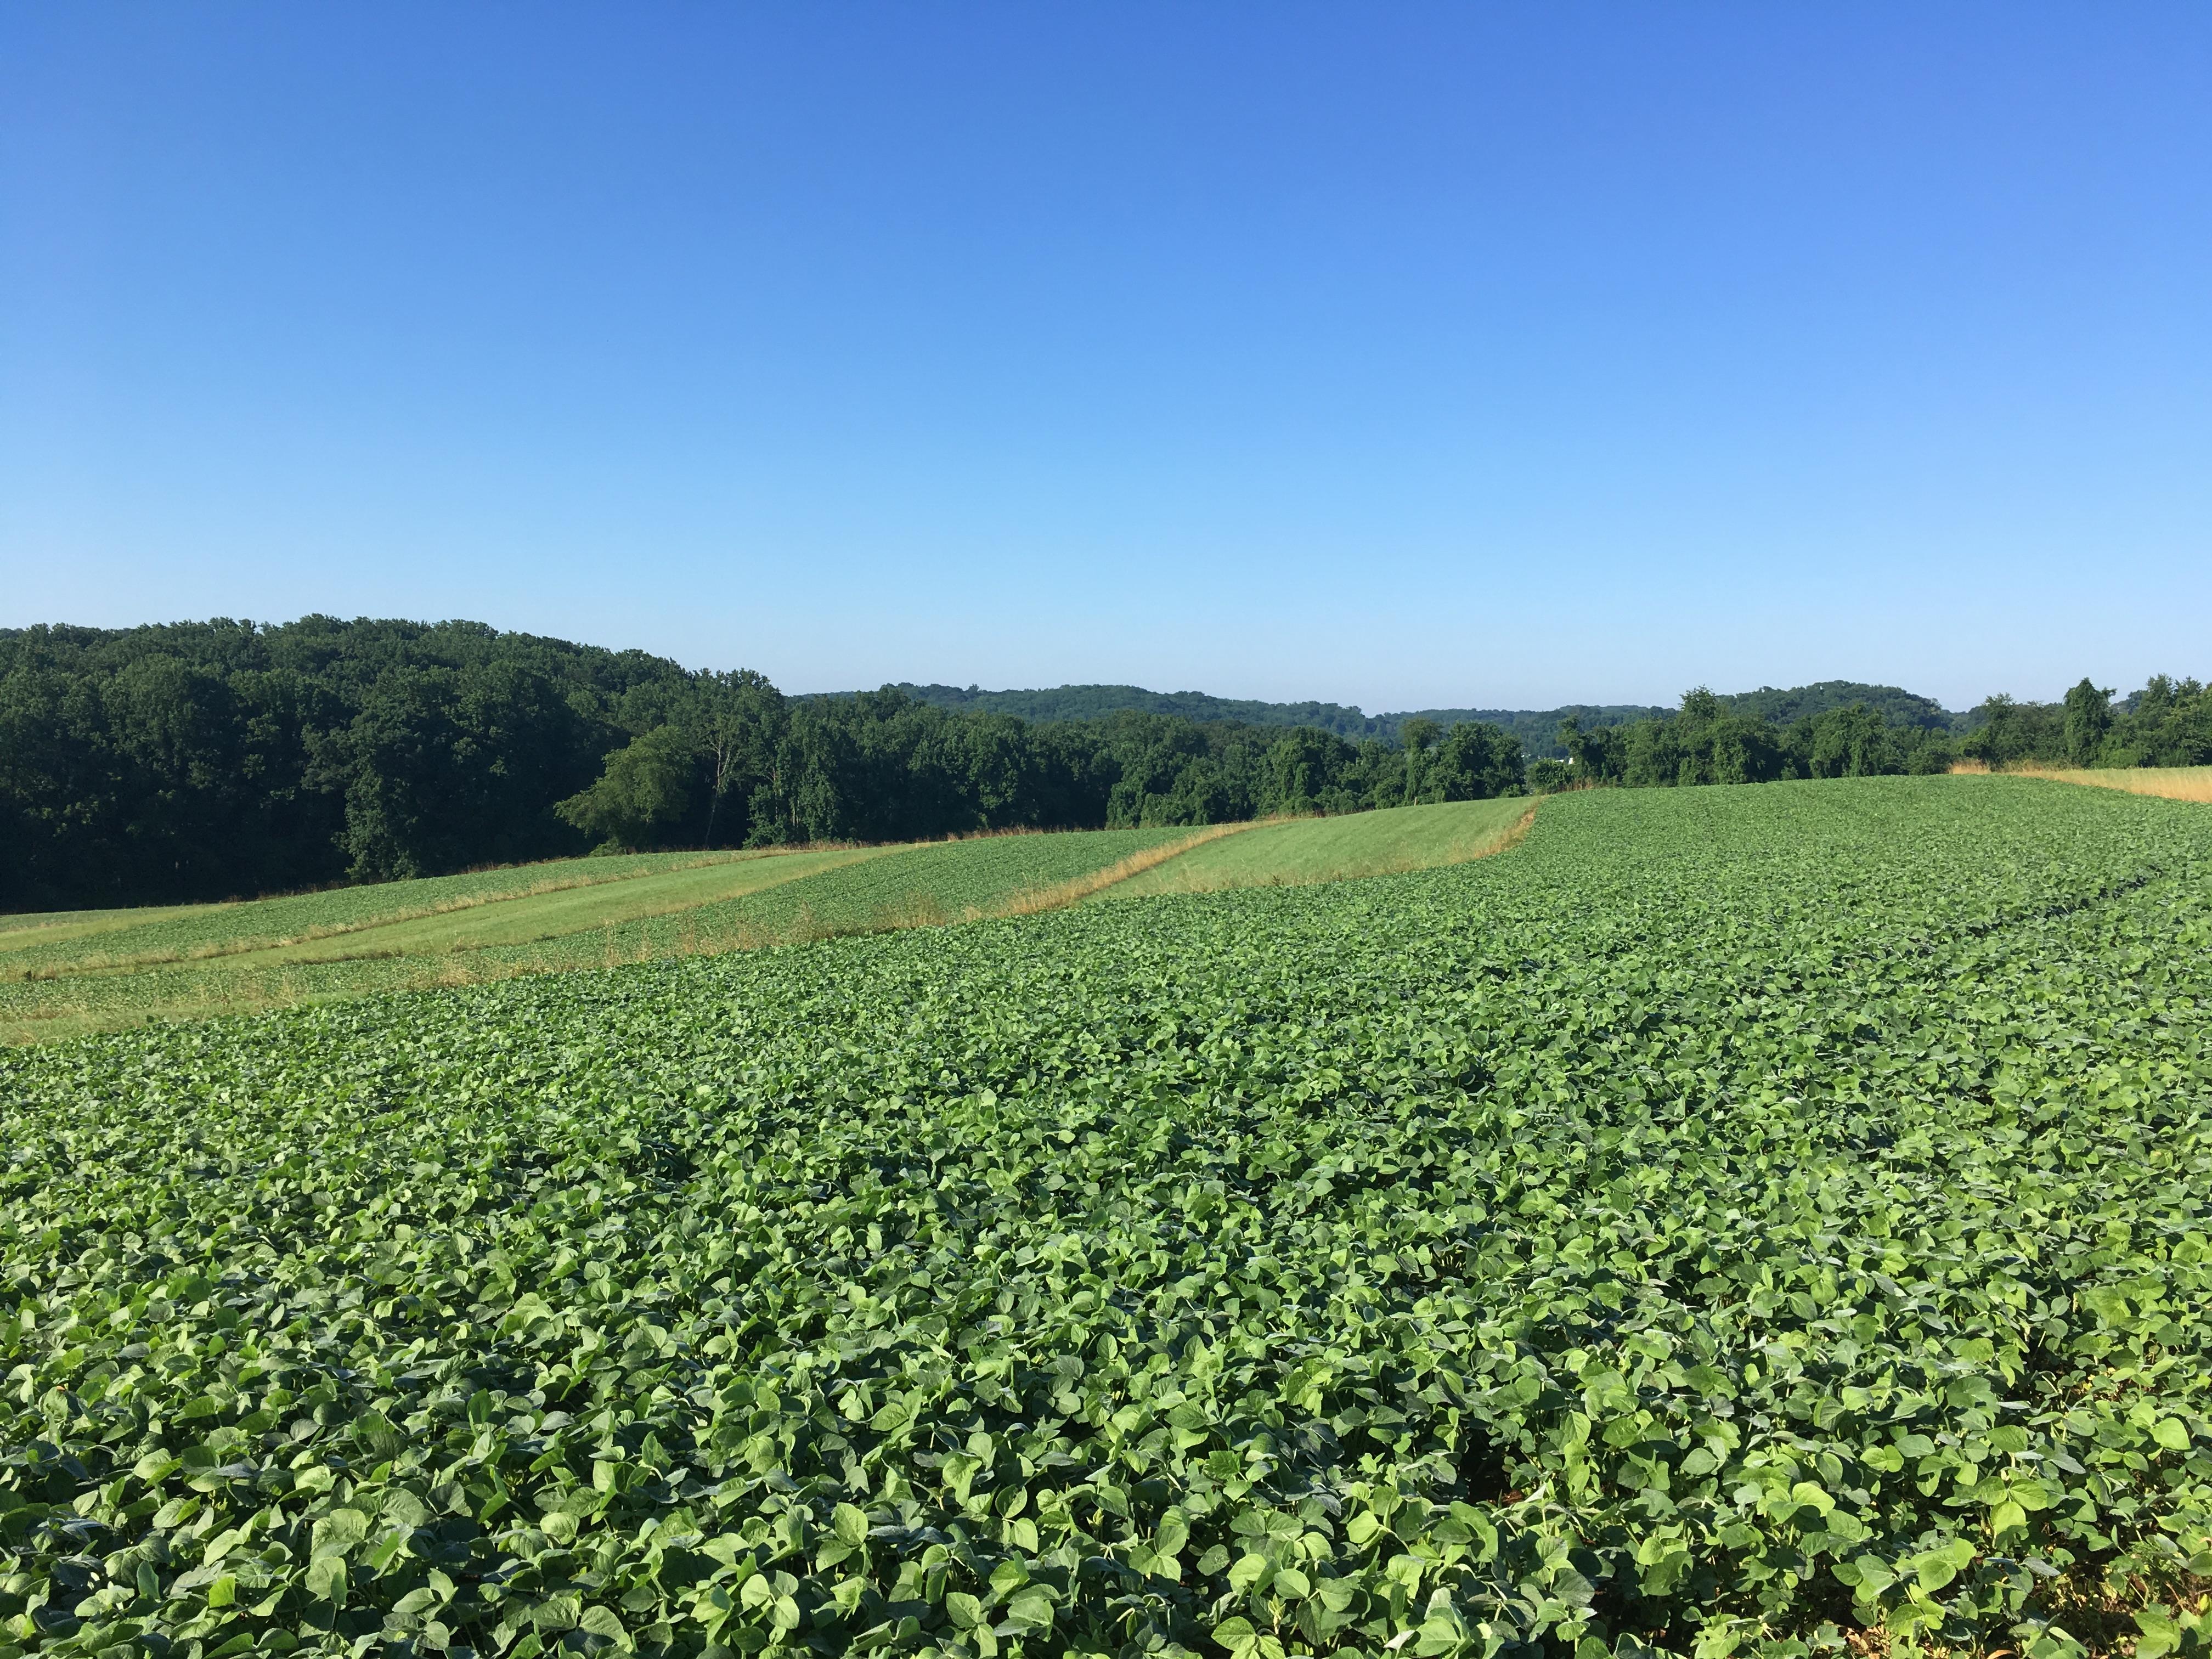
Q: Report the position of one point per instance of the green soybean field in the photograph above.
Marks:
(1762, 1220)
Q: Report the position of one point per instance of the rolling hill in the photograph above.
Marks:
(73, 972)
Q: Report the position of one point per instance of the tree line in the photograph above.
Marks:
(1538, 729)
(2168, 723)
(209, 760)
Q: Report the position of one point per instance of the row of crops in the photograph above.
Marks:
(1734, 1219)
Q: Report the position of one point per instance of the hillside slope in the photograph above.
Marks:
(582, 913)
(103, 973)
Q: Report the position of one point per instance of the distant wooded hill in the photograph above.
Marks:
(1537, 728)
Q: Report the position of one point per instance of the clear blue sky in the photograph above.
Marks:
(1401, 355)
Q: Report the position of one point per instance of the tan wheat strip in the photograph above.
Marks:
(2190, 783)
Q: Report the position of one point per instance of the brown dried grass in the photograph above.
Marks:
(2191, 783)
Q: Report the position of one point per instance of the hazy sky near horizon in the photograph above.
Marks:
(1417, 356)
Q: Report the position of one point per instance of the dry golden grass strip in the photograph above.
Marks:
(2170, 782)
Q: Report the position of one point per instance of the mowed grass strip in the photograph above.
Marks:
(136, 938)
(1057, 896)
(528, 919)
(765, 901)
(921, 886)
(1299, 851)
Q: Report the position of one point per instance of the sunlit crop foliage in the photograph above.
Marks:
(1735, 1216)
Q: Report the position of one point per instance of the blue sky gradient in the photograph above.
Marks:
(1425, 354)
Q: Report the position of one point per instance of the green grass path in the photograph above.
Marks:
(1303, 850)
(533, 917)
(85, 941)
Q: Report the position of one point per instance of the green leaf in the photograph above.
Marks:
(599, 1620)
(326, 1578)
(1810, 1494)
(2160, 1634)
(960, 1472)
(1846, 1527)
(339, 1529)
(1236, 1634)
(1173, 1533)
(1869, 1574)
(1250, 1572)
(1933, 1571)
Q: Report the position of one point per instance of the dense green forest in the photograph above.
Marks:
(204, 759)
(207, 760)
(1538, 729)
(1712, 739)
(1090, 702)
